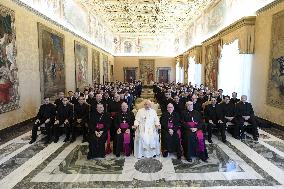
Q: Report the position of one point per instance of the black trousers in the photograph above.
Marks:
(67, 128)
(221, 128)
(74, 130)
(252, 129)
(48, 127)
(234, 129)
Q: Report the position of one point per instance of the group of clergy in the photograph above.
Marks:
(190, 113)
(102, 113)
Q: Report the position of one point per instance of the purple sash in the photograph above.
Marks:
(124, 125)
(201, 142)
(191, 124)
(170, 125)
(100, 126)
(126, 138)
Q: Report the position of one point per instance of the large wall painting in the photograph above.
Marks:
(81, 65)
(275, 90)
(96, 66)
(52, 62)
(105, 68)
(9, 83)
(211, 65)
(147, 70)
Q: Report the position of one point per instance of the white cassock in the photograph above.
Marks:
(146, 142)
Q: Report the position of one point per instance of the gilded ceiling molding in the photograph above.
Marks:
(268, 7)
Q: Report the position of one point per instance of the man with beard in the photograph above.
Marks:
(170, 122)
(124, 120)
(98, 126)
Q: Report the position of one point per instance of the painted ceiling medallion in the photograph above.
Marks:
(147, 17)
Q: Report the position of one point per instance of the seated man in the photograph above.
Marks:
(64, 115)
(123, 121)
(146, 125)
(229, 115)
(170, 122)
(193, 137)
(81, 117)
(244, 112)
(213, 117)
(98, 126)
(46, 115)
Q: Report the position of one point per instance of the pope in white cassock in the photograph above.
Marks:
(146, 142)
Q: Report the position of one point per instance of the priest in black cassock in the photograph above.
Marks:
(170, 122)
(123, 121)
(98, 126)
(193, 137)
(46, 116)
(64, 115)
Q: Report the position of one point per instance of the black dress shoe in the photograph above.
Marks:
(189, 160)
(66, 140)
(154, 156)
(32, 141)
(224, 140)
(210, 141)
(255, 138)
(56, 140)
(89, 157)
(117, 155)
(72, 140)
(165, 154)
(179, 157)
(47, 142)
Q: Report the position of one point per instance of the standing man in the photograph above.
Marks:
(146, 125)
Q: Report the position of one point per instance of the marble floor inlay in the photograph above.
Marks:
(236, 164)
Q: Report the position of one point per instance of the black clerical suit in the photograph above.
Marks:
(46, 111)
(245, 109)
(164, 103)
(170, 143)
(123, 142)
(81, 111)
(64, 112)
(214, 113)
(178, 107)
(229, 110)
(98, 122)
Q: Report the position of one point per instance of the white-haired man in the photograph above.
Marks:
(146, 143)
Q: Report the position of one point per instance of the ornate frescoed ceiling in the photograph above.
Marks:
(146, 17)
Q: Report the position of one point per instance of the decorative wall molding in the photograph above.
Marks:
(269, 6)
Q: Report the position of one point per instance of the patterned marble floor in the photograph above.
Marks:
(236, 164)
